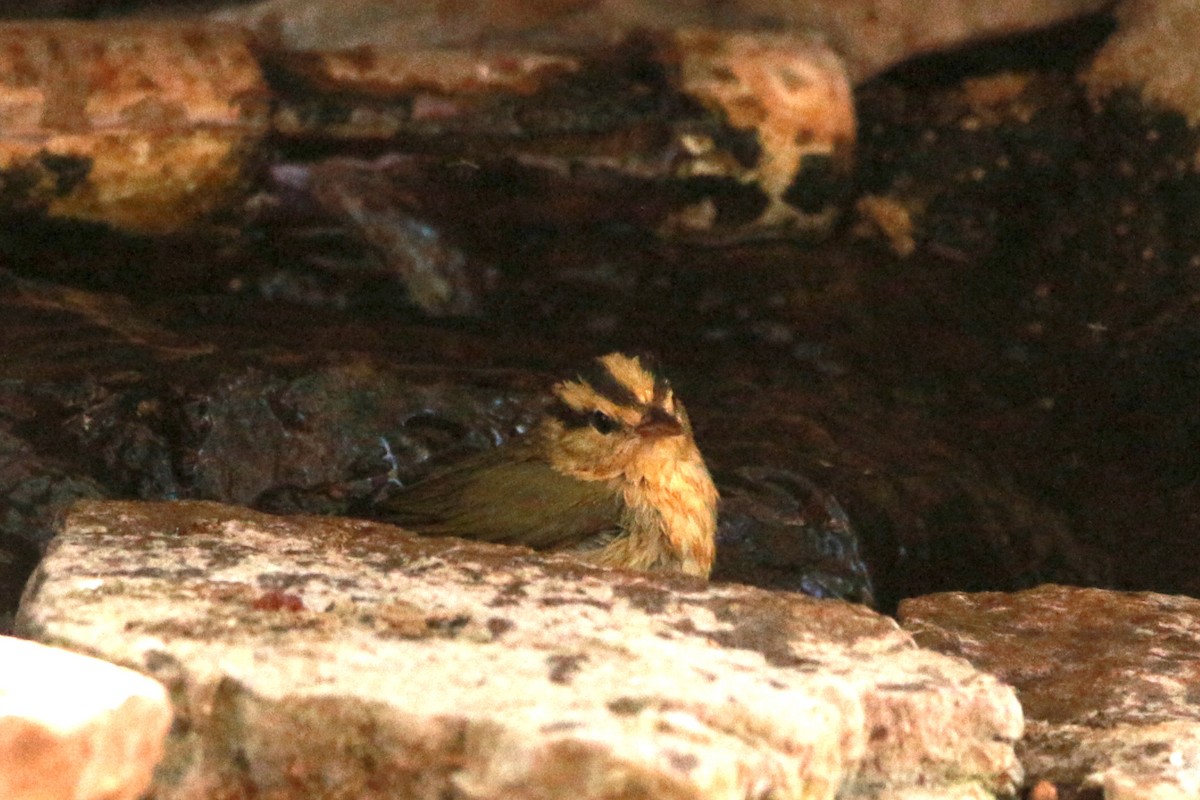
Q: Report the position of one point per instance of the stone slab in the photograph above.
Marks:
(321, 657)
(76, 727)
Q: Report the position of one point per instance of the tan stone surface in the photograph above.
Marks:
(308, 654)
(792, 91)
(1107, 679)
(871, 35)
(76, 727)
(1153, 52)
(142, 126)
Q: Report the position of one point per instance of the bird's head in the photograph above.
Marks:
(616, 418)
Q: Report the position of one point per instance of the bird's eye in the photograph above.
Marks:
(602, 422)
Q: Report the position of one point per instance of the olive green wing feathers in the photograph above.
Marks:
(492, 498)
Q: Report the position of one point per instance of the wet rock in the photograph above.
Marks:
(74, 726)
(370, 203)
(924, 513)
(1074, 226)
(306, 654)
(1106, 680)
(35, 491)
(778, 530)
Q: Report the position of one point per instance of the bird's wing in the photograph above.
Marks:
(497, 499)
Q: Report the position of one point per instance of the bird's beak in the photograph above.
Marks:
(657, 424)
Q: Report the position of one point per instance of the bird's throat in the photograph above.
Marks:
(671, 506)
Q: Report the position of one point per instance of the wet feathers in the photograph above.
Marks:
(610, 473)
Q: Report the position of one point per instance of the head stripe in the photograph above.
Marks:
(600, 378)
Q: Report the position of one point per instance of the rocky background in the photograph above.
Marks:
(926, 280)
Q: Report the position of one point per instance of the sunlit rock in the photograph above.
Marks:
(1107, 680)
(1152, 53)
(308, 656)
(76, 727)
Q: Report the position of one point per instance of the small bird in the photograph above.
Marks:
(610, 473)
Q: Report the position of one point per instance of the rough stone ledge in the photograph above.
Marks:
(75, 727)
(315, 657)
(1107, 680)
